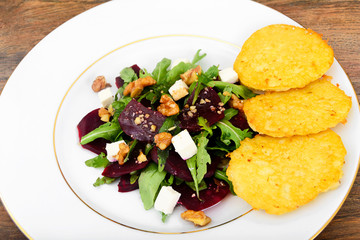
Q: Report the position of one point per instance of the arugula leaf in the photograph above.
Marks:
(164, 217)
(162, 156)
(221, 175)
(104, 180)
(178, 181)
(133, 178)
(197, 57)
(160, 71)
(191, 164)
(231, 133)
(149, 183)
(152, 97)
(128, 74)
(99, 161)
(109, 131)
(168, 123)
(133, 144)
(198, 89)
(120, 105)
(148, 148)
(202, 185)
(203, 79)
(212, 72)
(238, 90)
(144, 73)
(202, 158)
(171, 124)
(225, 96)
(170, 181)
(191, 89)
(203, 123)
(229, 113)
(174, 73)
(219, 148)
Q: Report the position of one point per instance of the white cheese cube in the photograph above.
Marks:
(179, 90)
(166, 200)
(179, 60)
(184, 145)
(112, 150)
(106, 97)
(228, 75)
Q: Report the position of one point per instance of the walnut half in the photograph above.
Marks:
(123, 151)
(135, 88)
(105, 114)
(197, 217)
(168, 107)
(236, 103)
(99, 84)
(163, 140)
(191, 75)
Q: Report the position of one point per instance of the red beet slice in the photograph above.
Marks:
(88, 123)
(125, 185)
(208, 105)
(214, 193)
(136, 69)
(119, 82)
(141, 131)
(213, 166)
(176, 166)
(239, 121)
(115, 170)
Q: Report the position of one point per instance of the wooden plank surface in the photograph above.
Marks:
(24, 23)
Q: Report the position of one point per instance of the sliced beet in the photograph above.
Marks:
(239, 121)
(88, 123)
(216, 191)
(212, 167)
(208, 105)
(189, 122)
(142, 130)
(125, 185)
(119, 82)
(136, 69)
(176, 166)
(115, 170)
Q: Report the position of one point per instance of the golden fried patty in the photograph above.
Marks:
(282, 174)
(314, 108)
(279, 57)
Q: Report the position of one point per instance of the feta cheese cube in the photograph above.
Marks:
(106, 97)
(166, 200)
(179, 90)
(112, 150)
(179, 60)
(228, 75)
(184, 145)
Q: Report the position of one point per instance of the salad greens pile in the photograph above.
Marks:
(213, 139)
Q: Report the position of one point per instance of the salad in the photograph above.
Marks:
(168, 133)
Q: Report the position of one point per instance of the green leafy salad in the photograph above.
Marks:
(168, 132)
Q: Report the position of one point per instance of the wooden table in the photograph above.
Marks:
(24, 23)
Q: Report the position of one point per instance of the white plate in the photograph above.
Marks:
(103, 40)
